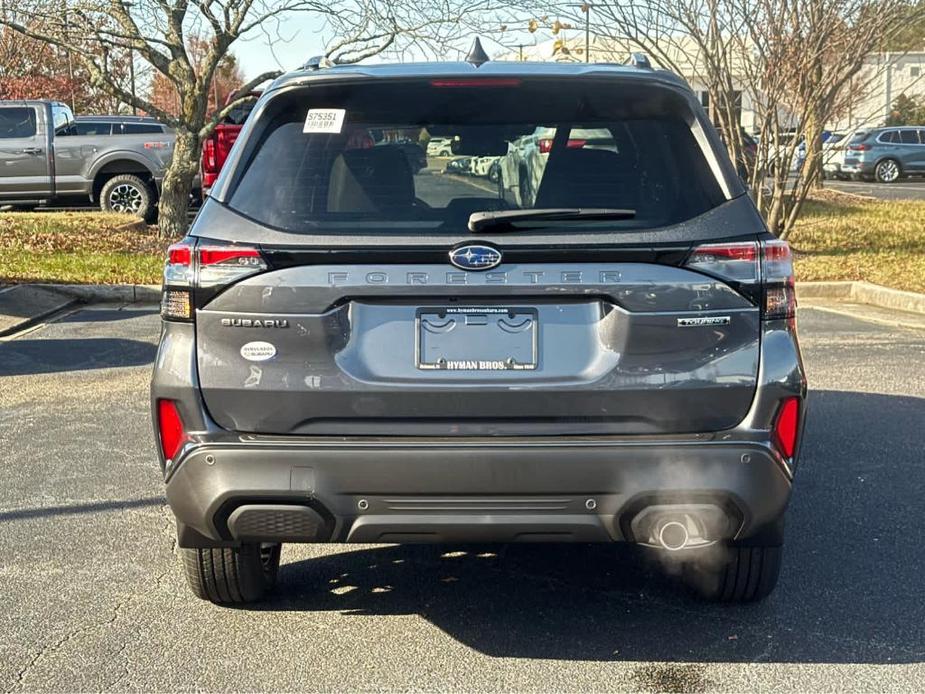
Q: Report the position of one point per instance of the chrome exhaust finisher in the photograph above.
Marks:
(675, 527)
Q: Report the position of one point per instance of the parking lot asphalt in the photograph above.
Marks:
(94, 598)
(906, 189)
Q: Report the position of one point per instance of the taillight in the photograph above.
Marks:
(751, 266)
(545, 144)
(786, 426)
(170, 428)
(779, 296)
(208, 157)
(731, 261)
(219, 265)
(859, 148)
(210, 266)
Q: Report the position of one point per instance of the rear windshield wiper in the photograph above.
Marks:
(478, 221)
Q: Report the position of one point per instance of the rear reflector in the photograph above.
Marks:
(170, 428)
(785, 428)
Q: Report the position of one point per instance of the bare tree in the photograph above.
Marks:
(156, 31)
(793, 61)
(804, 58)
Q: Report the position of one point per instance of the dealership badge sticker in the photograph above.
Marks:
(324, 120)
(258, 351)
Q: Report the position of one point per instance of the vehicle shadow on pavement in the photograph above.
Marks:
(850, 591)
(77, 509)
(107, 315)
(23, 356)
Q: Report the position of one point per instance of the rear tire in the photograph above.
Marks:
(232, 575)
(744, 574)
(887, 171)
(128, 194)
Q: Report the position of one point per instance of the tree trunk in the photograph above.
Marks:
(177, 186)
(812, 136)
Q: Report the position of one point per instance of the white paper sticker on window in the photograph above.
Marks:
(324, 120)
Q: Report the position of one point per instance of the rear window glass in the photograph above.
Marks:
(427, 155)
(141, 128)
(85, 128)
(17, 122)
(909, 137)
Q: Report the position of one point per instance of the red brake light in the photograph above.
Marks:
(786, 426)
(203, 266)
(170, 428)
(732, 261)
(545, 144)
(208, 159)
(476, 82)
(210, 255)
(179, 254)
(859, 148)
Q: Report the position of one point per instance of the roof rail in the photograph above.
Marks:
(317, 62)
(640, 60)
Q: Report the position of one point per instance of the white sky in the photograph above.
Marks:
(297, 39)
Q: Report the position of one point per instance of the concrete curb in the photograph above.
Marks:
(109, 293)
(863, 293)
(25, 305)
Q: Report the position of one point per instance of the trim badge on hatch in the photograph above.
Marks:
(706, 320)
(475, 257)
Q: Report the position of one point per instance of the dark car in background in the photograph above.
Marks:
(355, 351)
(886, 154)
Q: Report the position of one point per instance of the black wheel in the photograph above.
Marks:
(128, 194)
(735, 573)
(887, 171)
(232, 575)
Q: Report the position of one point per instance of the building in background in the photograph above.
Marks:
(869, 98)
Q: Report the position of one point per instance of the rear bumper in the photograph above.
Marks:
(854, 166)
(488, 490)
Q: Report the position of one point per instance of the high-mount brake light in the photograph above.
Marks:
(206, 266)
(170, 428)
(786, 426)
(476, 82)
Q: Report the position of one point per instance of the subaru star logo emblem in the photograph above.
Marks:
(475, 257)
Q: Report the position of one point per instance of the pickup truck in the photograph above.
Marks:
(216, 147)
(45, 160)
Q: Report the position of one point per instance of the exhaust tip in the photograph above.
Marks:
(674, 527)
(673, 536)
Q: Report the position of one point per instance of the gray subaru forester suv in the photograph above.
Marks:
(355, 350)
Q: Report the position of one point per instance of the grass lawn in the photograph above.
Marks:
(79, 247)
(841, 237)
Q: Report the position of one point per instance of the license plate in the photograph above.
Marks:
(476, 338)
